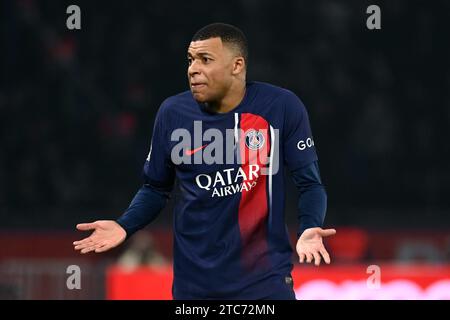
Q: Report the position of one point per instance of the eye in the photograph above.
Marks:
(206, 60)
(189, 60)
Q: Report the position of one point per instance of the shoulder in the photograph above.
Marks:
(175, 101)
(270, 90)
(288, 99)
(176, 104)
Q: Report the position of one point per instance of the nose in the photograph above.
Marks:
(193, 69)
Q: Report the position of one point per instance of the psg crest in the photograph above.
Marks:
(254, 140)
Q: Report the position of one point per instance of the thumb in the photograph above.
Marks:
(327, 232)
(86, 226)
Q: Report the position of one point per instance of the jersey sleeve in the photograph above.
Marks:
(298, 142)
(159, 171)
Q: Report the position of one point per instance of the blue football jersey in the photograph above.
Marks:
(230, 235)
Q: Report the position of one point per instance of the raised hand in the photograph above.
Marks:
(310, 245)
(107, 234)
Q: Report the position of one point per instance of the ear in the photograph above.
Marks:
(238, 65)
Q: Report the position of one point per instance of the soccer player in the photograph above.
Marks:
(227, 142)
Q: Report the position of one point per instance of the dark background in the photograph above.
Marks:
(77, 106)
(77, 109)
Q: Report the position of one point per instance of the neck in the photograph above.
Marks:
(231, 100)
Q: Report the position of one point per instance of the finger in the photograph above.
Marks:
(317, 259)
(88, 249)
(309, 257)
(85, 240)
(327, 232)
(103, 248)
(84, 245)
(302, 257)
(86, 226)
(326, 256)
(99, 244)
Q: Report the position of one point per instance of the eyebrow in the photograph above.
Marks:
(201, 54)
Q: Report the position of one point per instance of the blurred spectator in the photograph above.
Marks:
(419, 252)
(141, 251)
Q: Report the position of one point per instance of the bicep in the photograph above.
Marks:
(298, 143)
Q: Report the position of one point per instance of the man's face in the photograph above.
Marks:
(210, 71)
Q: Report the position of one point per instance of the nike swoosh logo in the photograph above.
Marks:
(191, 152)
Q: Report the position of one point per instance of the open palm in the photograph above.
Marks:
(310, 245)
(107, 234)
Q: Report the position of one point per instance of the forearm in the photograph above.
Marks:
(312, 204)
(144, 208)
(312, 207)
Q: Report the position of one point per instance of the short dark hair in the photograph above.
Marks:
(227, 33)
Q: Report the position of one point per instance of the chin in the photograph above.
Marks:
(199, 97)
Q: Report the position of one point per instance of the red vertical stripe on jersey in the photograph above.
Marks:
(253, 207)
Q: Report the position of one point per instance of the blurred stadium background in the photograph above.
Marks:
(77, 109)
